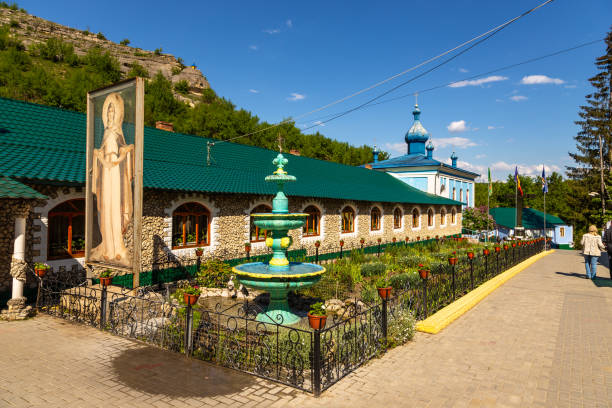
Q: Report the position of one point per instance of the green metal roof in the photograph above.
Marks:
(532, 219)
(10, 188)
(48, 144)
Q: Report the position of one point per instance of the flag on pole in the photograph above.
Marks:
(490, 184)
(544, 182)
(517, 181)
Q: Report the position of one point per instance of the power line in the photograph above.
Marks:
(486, 34)
(528, 61)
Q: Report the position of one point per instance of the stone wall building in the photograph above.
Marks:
(195, 195)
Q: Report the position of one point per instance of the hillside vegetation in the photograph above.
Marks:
(53, 73)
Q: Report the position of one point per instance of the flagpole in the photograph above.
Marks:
(488, 198)
(515, 204)
(545, 221)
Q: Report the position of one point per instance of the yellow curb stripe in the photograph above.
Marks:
(445, 316)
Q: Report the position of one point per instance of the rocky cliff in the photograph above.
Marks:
(31, 30)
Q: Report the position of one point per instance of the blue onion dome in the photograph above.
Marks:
(453, 156)
(416, 133)
(429, 146)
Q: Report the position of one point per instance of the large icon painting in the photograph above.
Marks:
(114, 179)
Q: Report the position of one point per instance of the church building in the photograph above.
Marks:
(419, 169)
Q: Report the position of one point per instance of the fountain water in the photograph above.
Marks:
(279, 276)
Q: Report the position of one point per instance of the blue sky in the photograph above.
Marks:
(281, 59)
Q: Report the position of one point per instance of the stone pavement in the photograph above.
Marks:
(541, 340)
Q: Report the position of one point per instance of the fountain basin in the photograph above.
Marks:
(279, 222)
(259, 276)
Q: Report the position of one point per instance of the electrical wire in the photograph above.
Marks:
(486, 34)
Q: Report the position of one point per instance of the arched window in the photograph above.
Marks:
(461, 194)
(454, 190)
(190, 226)
(257, 234)
(348, 220)
(415, 218)
(443, 217)
(66, 237)
(375, 219)
(311, 227)
(397, 218)
(453, 216)
(430, 218)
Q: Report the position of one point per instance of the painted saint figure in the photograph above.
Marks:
(113, 171)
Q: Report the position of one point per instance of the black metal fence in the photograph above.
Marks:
(230, 336)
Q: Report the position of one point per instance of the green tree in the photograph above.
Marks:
(137, 70)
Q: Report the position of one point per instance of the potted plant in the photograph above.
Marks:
(497, 248)
(317, 243)
(514, 245)
(407, 239)
(106, 277)
(383, 287)
(394, 239)
(485, 251)
(506, 247)
(362, 241)
(199, 251)
(470, 255)
(317, 316)
(41, 269)
(191, 295)
(247, 246)
(341, 242)
(452, 260)
(379, 240)
(423, 272)
(418, 238)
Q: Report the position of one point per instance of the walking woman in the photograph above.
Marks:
(591, 249)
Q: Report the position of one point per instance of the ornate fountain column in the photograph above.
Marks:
(17, 309)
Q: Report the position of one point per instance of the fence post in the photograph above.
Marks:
(103, 308)
(425, 298)
(471, 274)
(316, 255)
(340, 251)
(378, 254)
(188, 323)
(384, 320)
(316, 364)
(496, 263)
(453, 272)
(198, 264)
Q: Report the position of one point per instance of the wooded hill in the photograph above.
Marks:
(59, 72)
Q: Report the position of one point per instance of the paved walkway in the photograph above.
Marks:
(541, 340)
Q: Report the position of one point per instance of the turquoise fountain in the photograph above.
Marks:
(279, 276)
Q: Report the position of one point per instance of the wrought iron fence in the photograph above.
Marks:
(310, 360)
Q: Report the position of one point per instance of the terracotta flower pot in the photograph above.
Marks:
(190, 299)
(497, 249)
(317, 244)
(247, 248)
(486, 252)
(316, 322)
(341, 243)
(199, 252)
(513, 245)
(394, 239)
(106, 281)
(384, 293)
(452, 261)
(470, 255)
(40, 272)
(424, 273)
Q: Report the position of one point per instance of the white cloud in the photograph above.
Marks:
(399, 148)
(530, 170)
(253, 47)
(457, 126)
(476, 168)
(255, 91)
(296, 97)
(463, 70)
(319, 123)
(289, 23)
(460, 142)
(271, 31)
(518, 98)
(540, 79)
(499, 100)
(490, 127)
(477, 82)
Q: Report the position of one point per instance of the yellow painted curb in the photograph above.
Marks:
(445, 316)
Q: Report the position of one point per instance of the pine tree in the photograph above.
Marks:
(596, 124)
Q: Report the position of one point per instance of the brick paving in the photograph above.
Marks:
(541, 340)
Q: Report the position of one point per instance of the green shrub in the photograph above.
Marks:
(176, 70)
(158, 51)
(56, 50)
(125, 41)
(369, 294)
(214, 274)
(182, 87)
(14, 24)
(358, 256)
(373, 269)
(138, 70)
(100, 36)
(404, 280)
(11, 6)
